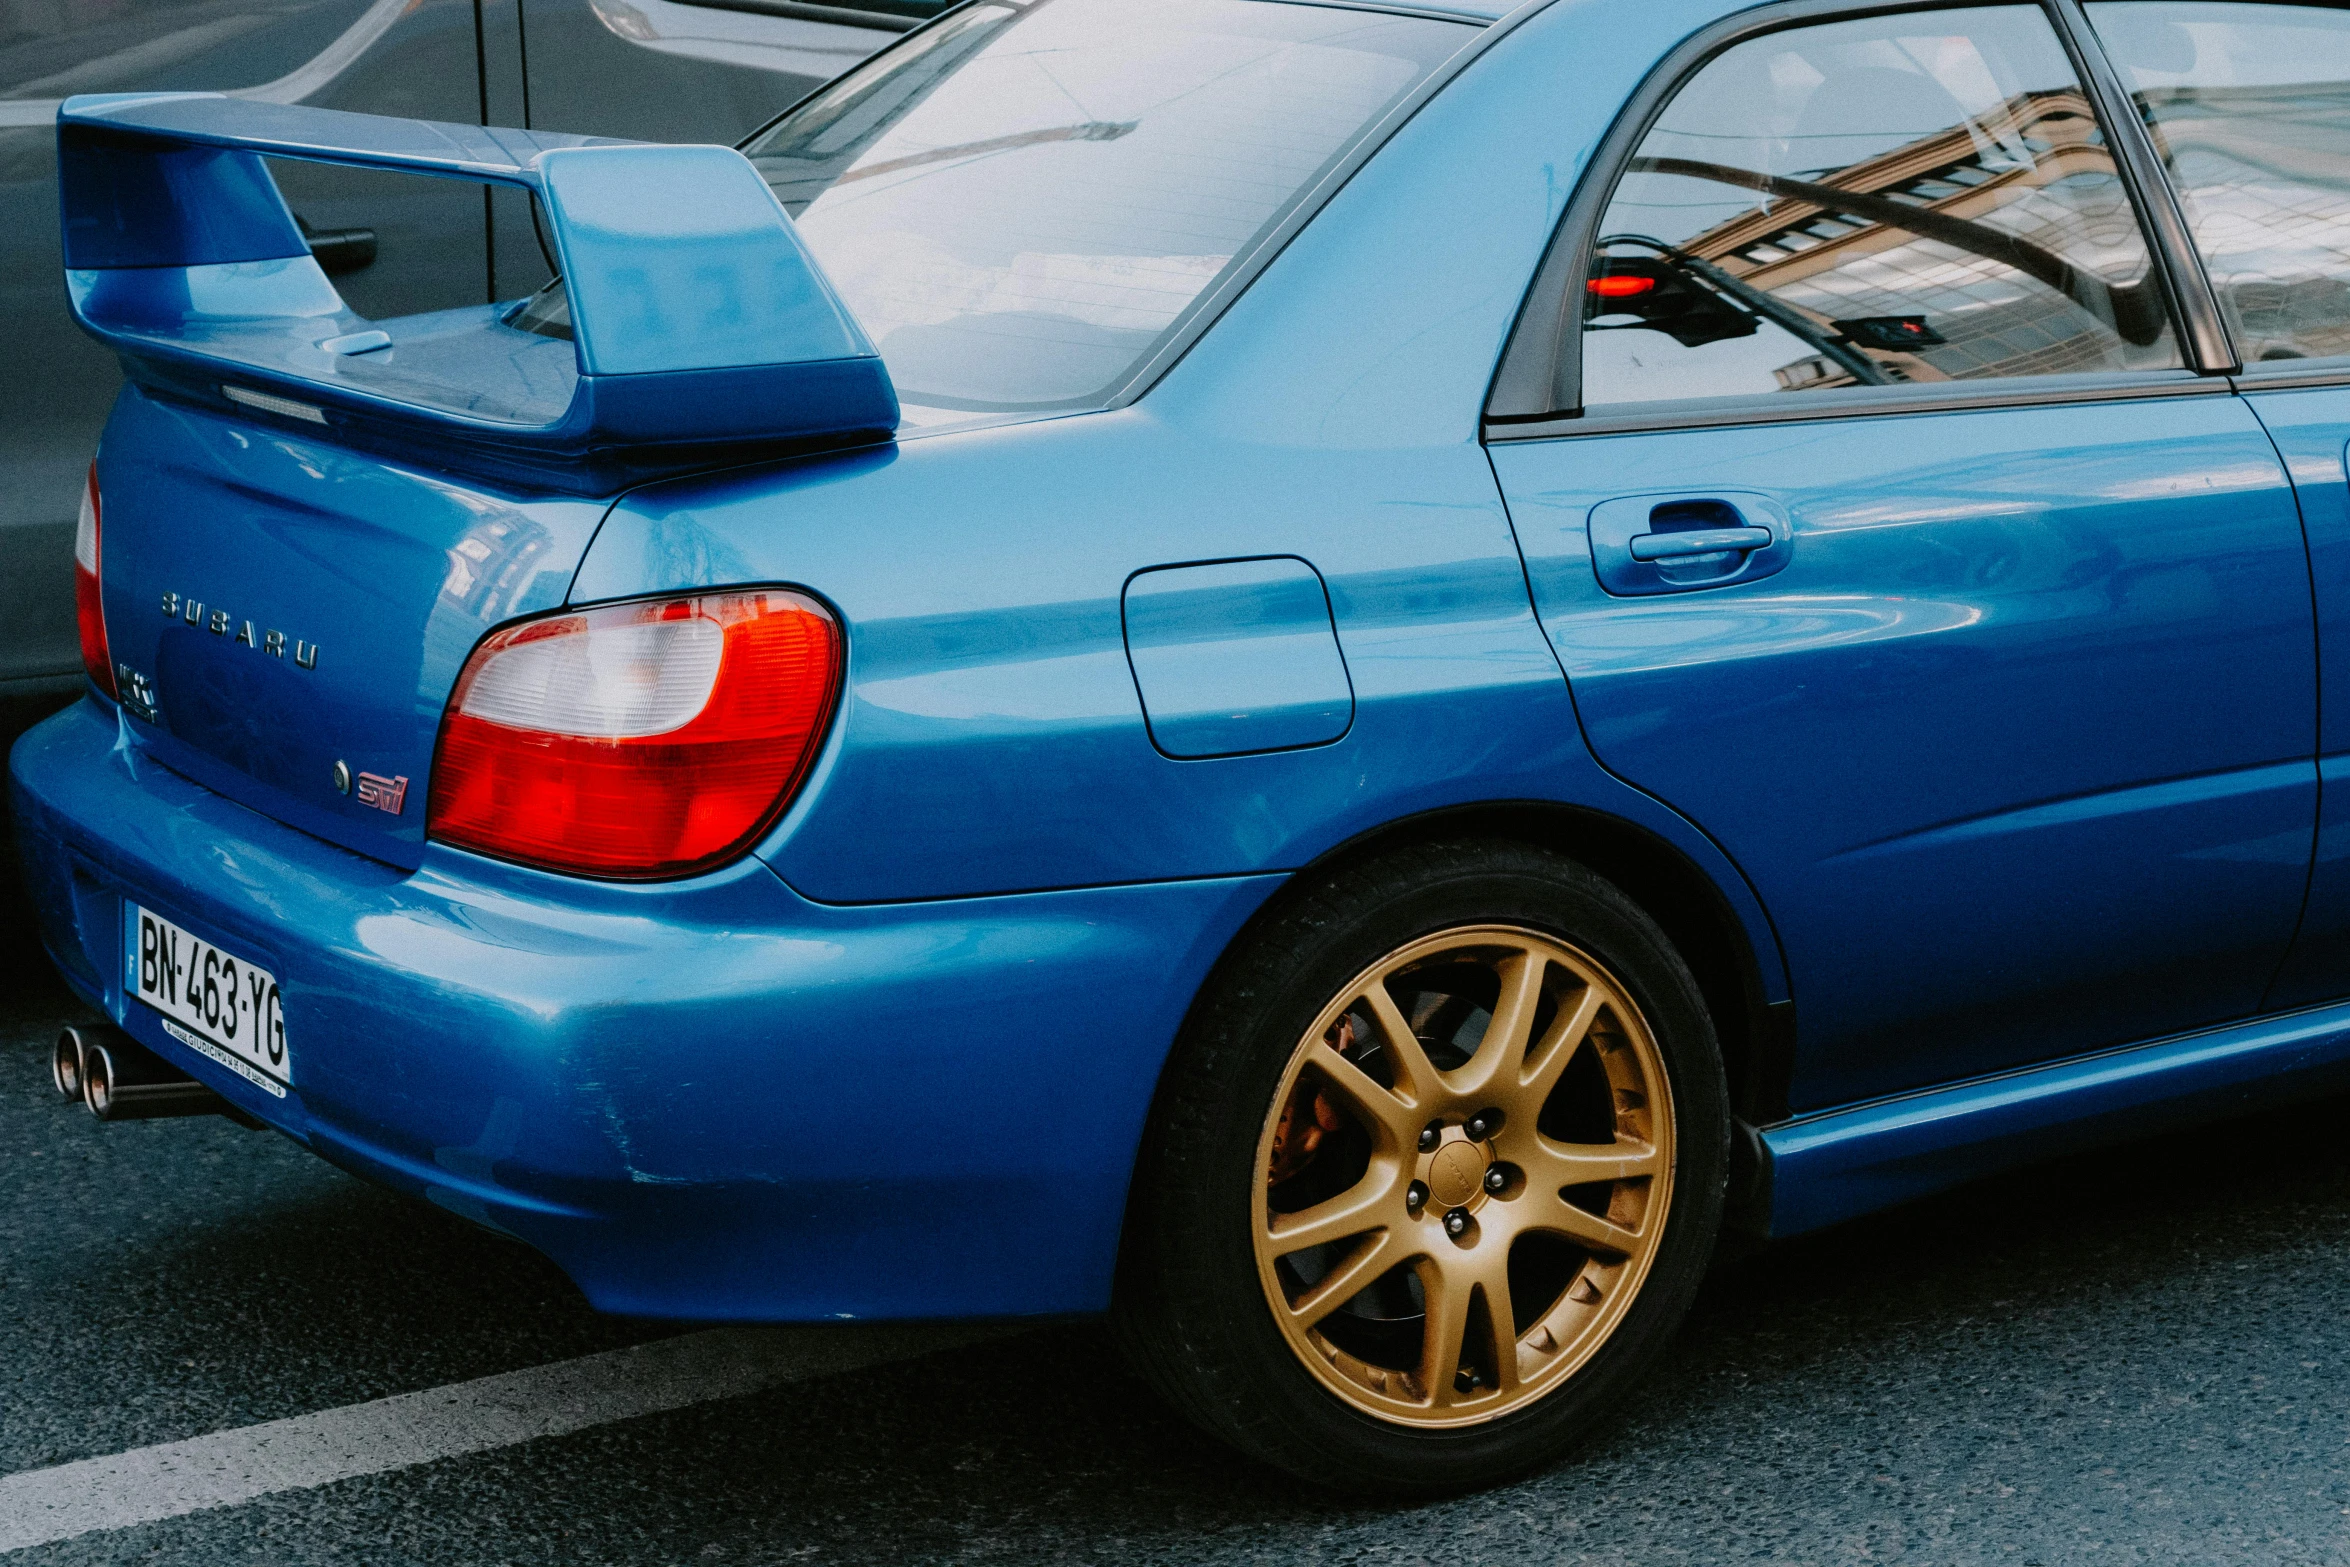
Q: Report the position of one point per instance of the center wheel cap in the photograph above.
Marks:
(1456, 1173)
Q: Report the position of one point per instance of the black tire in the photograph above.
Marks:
(1190, 1309)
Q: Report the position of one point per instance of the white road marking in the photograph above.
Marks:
(40, 1506)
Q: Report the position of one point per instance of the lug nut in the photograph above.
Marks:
(1456, 1223)
(1483, 1125)
(1496, 1178)
(1430, 1136)
(1415, 1196)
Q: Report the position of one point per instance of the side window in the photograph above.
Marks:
(1918, 197)
(2250, 106)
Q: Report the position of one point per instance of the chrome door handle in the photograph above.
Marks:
(1697, 541)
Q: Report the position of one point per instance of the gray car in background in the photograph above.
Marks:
(656, 70)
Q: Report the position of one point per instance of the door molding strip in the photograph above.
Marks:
(1840, 1164)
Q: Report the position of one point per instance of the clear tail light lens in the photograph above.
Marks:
(88, 610)
(638, 740)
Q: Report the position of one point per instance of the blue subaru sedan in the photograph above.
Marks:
(1342, 678)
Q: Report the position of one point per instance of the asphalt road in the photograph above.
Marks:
(2138, 1357)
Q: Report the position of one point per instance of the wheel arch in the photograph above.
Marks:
(1755, 1033)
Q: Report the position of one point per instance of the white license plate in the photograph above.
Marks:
(216, 1005)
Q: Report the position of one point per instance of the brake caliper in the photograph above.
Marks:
(1309, 1117)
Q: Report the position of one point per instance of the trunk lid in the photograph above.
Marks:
(295, 613)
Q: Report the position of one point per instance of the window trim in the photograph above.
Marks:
(2203, 332)
(853, 13)
(1537, 387)
(1939, 397)
(2293, 375)
(846, 13)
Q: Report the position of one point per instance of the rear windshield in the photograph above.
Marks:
(1020, 202)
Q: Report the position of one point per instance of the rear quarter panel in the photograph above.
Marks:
(991, 738)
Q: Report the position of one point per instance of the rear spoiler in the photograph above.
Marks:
(699, 325)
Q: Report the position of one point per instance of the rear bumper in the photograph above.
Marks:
(708, 1099)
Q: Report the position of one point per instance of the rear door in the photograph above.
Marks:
(1896, 546)
(2250, 108)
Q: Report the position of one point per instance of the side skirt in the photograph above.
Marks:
(1843, 1163)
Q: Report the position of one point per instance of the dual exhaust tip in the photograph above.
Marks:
(118, 1079)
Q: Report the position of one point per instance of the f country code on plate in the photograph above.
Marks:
(216, 1005)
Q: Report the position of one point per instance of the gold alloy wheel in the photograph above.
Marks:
(1464, 1176)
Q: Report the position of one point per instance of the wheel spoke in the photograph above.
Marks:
(1343, 1283)
(1444, 1295)
(1551, 1165)
(1588, 1230)
(1500, 1319)
(1416, 1080)
(1501, 1054)
(1361, 1207)
(1365, 1093)
(1567, 1031)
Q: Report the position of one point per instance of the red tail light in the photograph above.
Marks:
(89, 613)
(638, 740)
